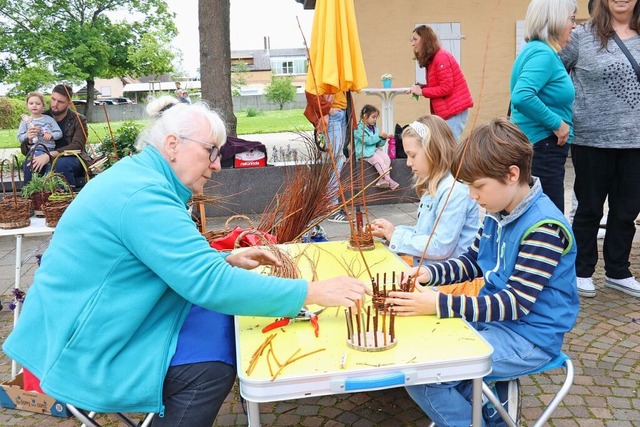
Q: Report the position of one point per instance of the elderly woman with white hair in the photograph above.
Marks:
(542, 92)
(102, 320)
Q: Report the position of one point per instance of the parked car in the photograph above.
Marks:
(115, 100)
(83, 102)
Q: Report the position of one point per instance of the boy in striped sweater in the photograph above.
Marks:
(525, 251)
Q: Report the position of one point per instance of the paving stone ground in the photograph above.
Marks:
(604, 347)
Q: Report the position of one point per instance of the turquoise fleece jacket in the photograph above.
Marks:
(363, 136)
(541, 92)
(100, 323)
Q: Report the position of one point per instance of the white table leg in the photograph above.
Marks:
(476, 406)
(16, 285)
(253, 414)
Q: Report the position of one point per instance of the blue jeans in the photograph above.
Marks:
(448, 404)
(193, 394)
(69, 166)
(336, 129)
(548, 165)
(457, 123)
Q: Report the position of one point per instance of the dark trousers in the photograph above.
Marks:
(548, 165)
(602, 173)
(193, 394)
(69, 166)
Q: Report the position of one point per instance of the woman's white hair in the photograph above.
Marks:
(546, 19)
(172, 116)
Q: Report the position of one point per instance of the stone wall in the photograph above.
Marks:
(250, 191)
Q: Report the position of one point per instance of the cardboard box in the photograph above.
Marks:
(12, 395)
(250, 159)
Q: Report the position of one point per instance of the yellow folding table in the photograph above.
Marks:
(428, 350)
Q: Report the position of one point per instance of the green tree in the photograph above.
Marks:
(280, 91)
(239, 77)
(46, 41)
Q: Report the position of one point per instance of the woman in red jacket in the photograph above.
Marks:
(446, 86)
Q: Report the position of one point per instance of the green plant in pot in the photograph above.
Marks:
(35, 190)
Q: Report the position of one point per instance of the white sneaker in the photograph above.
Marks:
(586, 288)
(629, 285)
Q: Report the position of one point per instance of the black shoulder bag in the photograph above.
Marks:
(626, 52)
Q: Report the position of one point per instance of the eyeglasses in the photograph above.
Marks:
(214, 153)
(572, 19)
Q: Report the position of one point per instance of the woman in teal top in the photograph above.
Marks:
(100, 323)
(542, 92)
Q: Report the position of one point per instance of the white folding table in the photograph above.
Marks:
(37, 227)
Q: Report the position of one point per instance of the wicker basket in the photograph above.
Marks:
(288, 268)
(57, 203)
(15, 211)
(216, 234)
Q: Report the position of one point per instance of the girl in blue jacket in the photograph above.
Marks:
(430, 147)
(368, 144)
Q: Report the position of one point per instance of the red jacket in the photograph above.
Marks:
(446, 86)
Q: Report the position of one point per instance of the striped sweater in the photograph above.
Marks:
(527, 259)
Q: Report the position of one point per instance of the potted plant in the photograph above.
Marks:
(386, 80)
(35, 191)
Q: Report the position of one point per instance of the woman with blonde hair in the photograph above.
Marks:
(430, 147)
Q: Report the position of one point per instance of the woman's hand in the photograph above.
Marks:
(382, 228)
(39, 162)
(339, 291)
(415, 89)
(423, 301)
(252, 258)
(562, 133)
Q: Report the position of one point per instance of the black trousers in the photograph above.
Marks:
(602, 173)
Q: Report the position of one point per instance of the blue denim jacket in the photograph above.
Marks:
(455, 231)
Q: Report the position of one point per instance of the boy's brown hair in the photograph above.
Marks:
(491, 149)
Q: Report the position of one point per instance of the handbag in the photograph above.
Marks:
(630, 57)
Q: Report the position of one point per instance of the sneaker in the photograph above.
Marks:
(382, 184)
(629, 285)
(586, 288)
(508, 392)
(393, 185)
(339, 216)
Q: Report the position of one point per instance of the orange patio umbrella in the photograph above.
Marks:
(335, 57)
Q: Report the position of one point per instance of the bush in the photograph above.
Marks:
(253, 112)
(10, 112)
(125, 142)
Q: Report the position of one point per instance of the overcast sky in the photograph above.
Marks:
(251, 21)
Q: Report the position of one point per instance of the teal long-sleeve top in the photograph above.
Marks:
(100, 323)
(542, 92)
(366, 140)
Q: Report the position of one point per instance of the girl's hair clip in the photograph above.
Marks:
(419, 128)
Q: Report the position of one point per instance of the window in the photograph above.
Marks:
(288, 66)
(449, 35)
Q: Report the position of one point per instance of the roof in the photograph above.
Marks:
(262, 57)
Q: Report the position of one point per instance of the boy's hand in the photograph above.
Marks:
(421, 274)
(47, 136)
(421, 302)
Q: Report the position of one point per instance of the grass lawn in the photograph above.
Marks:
(264, 122)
